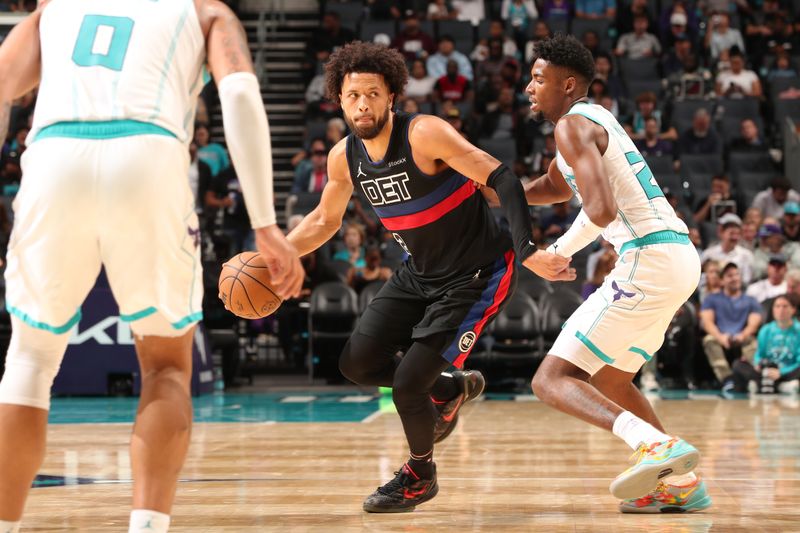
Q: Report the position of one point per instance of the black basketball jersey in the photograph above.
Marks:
(442, 221)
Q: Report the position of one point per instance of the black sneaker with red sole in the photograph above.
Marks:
(403, 493)
(471, 385)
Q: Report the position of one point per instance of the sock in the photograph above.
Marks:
(9, 527)
(143, 520)
(444, 388)
(681, 481)
(422, 466)
(634, 431)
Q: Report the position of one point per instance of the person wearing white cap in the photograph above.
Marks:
(728, 249)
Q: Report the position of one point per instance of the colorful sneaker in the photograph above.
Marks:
(471, 385)
(670, 499)
(403, 493)
(653, 463)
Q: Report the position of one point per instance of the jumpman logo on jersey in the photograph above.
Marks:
(619, 293)
(360, 172)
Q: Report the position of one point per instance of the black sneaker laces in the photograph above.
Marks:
(394, 485)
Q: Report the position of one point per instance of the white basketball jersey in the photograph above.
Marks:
(641, 206)
(121, 60)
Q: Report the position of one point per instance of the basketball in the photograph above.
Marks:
(245, 287)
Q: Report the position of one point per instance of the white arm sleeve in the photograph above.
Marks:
(582, 233)
(247, 136)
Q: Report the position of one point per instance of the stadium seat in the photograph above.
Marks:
(556, 307)
(371, 28)
(349, 12)
(511, 352)
(331, 319)
(532, 285)
(729, 128)
(659, 164)
(750, 162)
(787, 108)
(738, 108)
(754, 181)
(639, 86)
(692, 164)
(460, 30)
(683, 111)
(779, 85)
(301, 203)
(342, 268)
(503, 149)
(638, 69)
(581, 26)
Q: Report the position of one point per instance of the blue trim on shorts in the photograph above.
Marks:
(185, 321)
(594, 349)
(658, 237)
(58, 330)
(641, 352)
(98, 130)
(144, 313)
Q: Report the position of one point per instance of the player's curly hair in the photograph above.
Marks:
(568, 52)
(365, 58)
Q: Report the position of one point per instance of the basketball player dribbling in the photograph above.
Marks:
(105, 182)
(419, 175)
(589, 370)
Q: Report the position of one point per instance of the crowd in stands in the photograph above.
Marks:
(703, 87)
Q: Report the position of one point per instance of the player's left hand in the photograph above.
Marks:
(549, 266)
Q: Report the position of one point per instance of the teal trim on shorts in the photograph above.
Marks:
(641, 352)
(185, 321)
(58, 330)
(98, 130)
(138, 315)
(659, 237)
(594, 349)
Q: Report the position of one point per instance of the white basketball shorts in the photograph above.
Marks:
(123, 203)
(622, 324)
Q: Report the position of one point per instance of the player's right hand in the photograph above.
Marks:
(282, 259)
(549, 266)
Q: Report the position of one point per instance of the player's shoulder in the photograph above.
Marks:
(209, 11)
(337, 157)
(429, 131)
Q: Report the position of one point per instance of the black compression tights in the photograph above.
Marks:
(413, 379)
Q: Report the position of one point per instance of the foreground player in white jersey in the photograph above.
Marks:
(589, 370)
(105, 182)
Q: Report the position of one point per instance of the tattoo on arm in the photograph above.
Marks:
(5, 116)
(234, 47)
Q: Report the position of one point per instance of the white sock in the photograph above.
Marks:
(9, 527)
(634, 431)
(681, 481)
(145, 521)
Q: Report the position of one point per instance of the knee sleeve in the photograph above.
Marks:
(367, 361)
(418, 371)
(33, 359)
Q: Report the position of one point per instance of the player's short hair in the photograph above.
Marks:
(365, 58)
(566, 51)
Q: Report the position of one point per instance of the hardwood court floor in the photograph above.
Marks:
(510, 466)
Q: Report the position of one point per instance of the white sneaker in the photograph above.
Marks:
(649, 382)
(789, 387)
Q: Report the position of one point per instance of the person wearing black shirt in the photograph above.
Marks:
(420, 176)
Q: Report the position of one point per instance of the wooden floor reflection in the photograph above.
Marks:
(510, 466)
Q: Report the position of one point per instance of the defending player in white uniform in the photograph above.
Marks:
(589, 370)
(105, 183)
